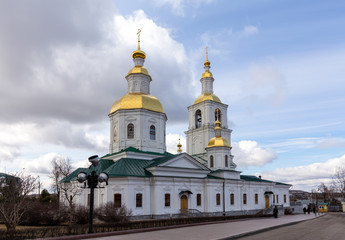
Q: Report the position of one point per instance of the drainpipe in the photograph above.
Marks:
(223, 197)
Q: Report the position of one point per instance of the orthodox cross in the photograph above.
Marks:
(206, 53)
(138, 33)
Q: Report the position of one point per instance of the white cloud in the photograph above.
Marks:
(248, 153)
(68, 81)
(308, 176)
(331, 143)
(172, 141)
(250, 30)
(289, 144)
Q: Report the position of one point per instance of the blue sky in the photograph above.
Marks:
(279, 65)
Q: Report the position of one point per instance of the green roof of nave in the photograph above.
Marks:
(129, 167)
(256, 179)
(161, 160)
(132, 149)
(73, 176)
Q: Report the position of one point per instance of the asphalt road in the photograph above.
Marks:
(330, 226)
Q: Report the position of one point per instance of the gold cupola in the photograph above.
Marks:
(207, 84)
(138, 78)
(179, 145)
(218, 140)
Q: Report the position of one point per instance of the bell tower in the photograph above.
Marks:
(203, 114)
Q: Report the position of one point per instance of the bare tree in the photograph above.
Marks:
(67, 190)
(61, 169)
(13, 198)
(325, 192)
(339, 181)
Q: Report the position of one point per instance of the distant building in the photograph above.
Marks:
(5, 178)
(154, 183)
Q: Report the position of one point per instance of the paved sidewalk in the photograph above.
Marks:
(215, 230)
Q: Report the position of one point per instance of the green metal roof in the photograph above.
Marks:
(256, 179)
(6, 177)
(253, 178)
(132, 149)
(72, 176)
(157, 161)
(129, 167)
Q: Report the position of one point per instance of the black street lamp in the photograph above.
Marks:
(92, 182)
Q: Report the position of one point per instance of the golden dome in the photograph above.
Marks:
(218, 142)
(207, 62)
(137, 100)
(138, 53)
(207, 96)
(207, 74)
(139, 69)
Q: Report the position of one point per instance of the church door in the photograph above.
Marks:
(184, 204)
(267, 201)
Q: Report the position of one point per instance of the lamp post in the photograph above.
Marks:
(92, 182)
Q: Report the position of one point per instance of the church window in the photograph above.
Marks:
(153, 132)
(130, 131)
(284, 198)
(256, 198)
(232, 199)
(198, 119)
(244, 198)
(88, 199)
(226, 161)
(167, 200)
(218, 199)
(211, 161)
(198, 199)
(217, 114)
(139, 200)
(274, 198)
(277, 199)
(117, 200)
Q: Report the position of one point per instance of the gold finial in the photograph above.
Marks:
(179, 150)
(207, 62)
(138, 33)
(217, 120)
(138, 52)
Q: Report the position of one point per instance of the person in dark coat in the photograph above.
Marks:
(275, 212)
(304, 210)
(308, 210)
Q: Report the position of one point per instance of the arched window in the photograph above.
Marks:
(198, 118)
(130, 131)
(153, 132)
(211, 161)
(226, 161)
(218, 113)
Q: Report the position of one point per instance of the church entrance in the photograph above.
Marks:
(267, 201)
(184, 204)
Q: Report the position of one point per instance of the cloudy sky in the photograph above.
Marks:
(279, 65)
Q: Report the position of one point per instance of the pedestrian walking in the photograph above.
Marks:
(308, 210)
(275, 212)
(304, 210)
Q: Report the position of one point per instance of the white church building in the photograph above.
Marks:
(151, 182)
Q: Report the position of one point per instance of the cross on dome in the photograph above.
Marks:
(138, 33)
